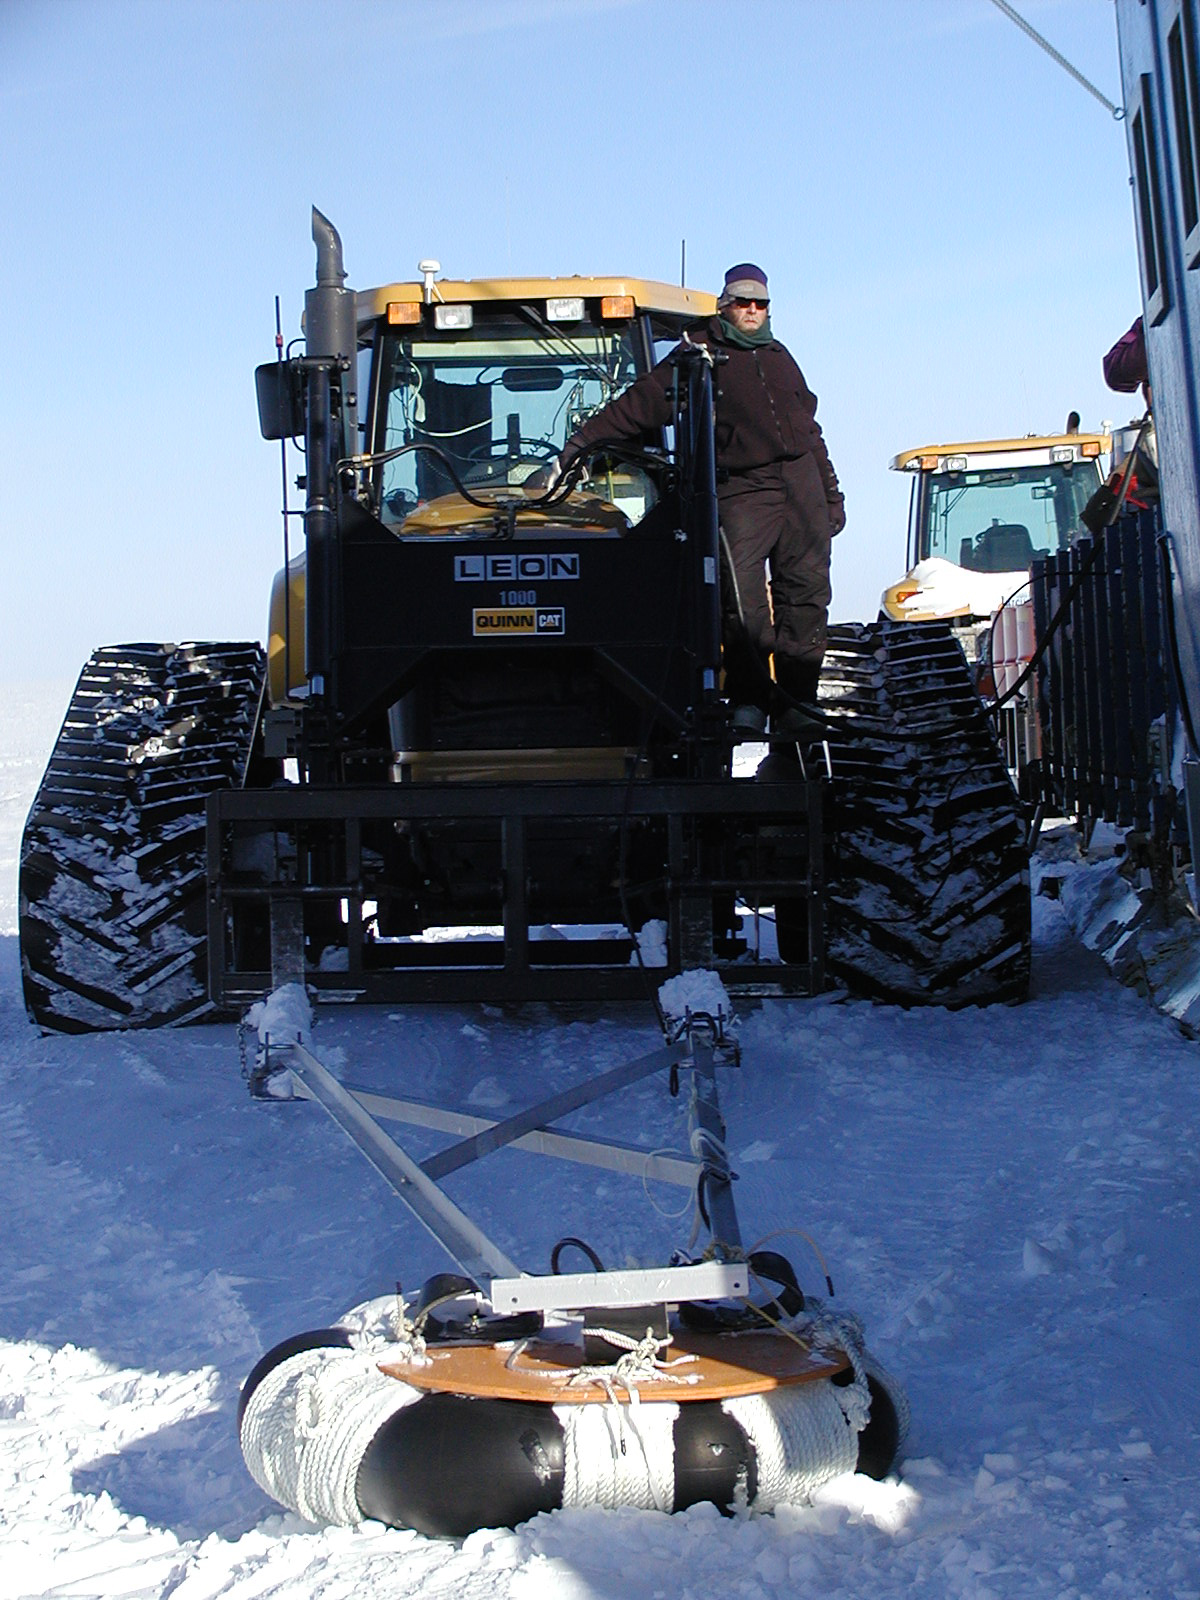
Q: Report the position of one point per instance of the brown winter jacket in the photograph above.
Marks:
(765, 412)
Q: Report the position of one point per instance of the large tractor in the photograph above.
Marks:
(485, 754)
(980, 513)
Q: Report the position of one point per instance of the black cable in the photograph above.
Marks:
(700, 1205)
(621, 449)
(524, 501)
(1085, 567)
(578, 1244)
(991, 644)
(380, 458)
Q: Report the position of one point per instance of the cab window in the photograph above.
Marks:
(998, 519)
(493, 404)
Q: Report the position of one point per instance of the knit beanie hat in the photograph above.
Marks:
(744, 282)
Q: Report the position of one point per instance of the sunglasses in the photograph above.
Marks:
(745, 305)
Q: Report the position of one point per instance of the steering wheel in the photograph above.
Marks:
(534, 452)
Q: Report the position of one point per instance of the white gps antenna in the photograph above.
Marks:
(429, 270)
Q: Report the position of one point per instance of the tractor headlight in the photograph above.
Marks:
(567, 308)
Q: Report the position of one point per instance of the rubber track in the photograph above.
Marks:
(928, 877)
(112, 876)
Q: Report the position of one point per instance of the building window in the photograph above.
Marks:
(1148, 198)
(1185, 100)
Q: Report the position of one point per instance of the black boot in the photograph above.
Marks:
(797, 680)
(748, 688)
(796, 715)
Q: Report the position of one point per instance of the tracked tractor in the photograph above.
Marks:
(486, 755)
(980, 513)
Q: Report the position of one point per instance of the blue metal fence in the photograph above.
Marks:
(1106, 688)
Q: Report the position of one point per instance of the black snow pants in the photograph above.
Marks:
(774, 519)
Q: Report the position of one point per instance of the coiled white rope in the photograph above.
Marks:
(808, 1433)
(801, 1437)
(599, 1467)
(307, 1426)
(825, 1329)
(308, 1423)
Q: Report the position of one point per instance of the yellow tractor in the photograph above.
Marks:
(979, 513)
(490, 759)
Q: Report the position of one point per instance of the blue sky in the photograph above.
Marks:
(943, 213)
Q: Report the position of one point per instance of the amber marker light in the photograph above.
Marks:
(404, 311)
(1089, 448)
(615, 306)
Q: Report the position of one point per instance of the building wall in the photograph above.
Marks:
(1160, 70)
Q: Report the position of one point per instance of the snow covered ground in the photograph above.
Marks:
(1007, 1197)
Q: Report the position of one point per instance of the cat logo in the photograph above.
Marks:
(517, 621)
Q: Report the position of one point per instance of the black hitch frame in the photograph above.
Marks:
(724, 838)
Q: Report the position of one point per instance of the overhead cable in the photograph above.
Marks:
(1013, 15)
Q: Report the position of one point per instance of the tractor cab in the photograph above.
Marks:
(978, 515)
(466, 390)
(496, 388)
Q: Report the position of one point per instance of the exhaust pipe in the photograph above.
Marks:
(330, 321)
(331, 338)
(330, 272)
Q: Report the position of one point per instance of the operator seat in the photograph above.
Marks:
(1004, 547)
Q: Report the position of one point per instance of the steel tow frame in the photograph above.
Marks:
(282, 886)
(698, 1050)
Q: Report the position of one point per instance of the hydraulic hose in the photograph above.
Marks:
(552, 498)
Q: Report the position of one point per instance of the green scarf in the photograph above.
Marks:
(746, 341)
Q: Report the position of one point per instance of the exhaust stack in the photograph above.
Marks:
(330, 319)
(331, 337)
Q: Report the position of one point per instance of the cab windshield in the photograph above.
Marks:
(997, 519)
(499, 401)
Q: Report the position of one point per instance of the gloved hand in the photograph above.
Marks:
(837, 516)
(544, 479)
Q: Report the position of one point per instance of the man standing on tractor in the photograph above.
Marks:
(780, 503)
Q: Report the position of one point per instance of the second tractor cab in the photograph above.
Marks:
(978, 515)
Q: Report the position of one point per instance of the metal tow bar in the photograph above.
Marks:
(418, 1183)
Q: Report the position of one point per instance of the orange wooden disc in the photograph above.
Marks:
(721, 1365)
